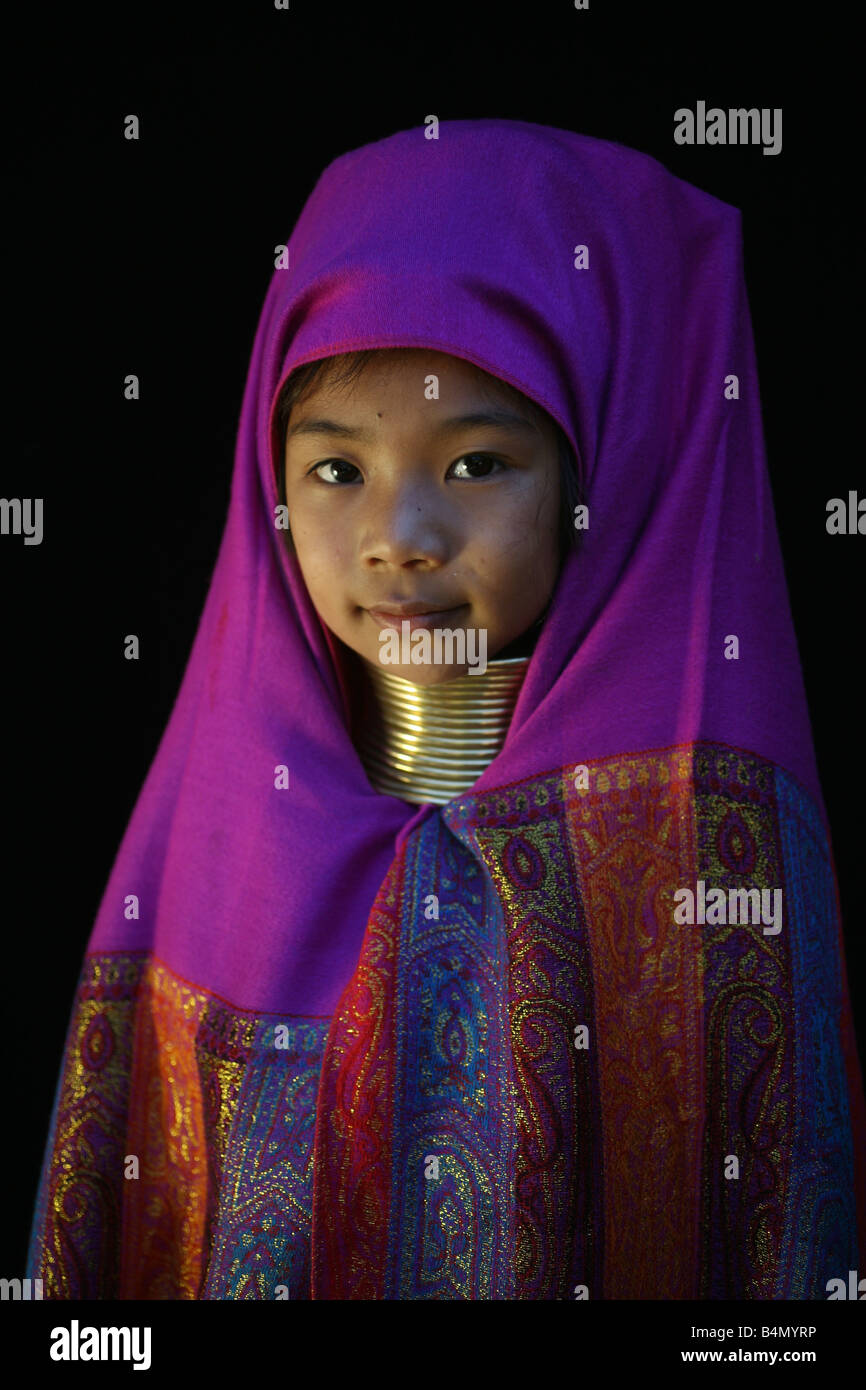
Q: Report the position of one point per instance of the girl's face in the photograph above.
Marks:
(396, 498)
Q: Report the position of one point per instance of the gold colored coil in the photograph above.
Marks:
(432, 742)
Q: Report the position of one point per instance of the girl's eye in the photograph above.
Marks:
(487, 459)
(487, 462)
(334, 463)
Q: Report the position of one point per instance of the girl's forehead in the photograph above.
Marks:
(405, 367)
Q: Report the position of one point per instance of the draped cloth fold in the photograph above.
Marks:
(326, 1044)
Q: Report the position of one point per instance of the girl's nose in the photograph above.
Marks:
(405, 529)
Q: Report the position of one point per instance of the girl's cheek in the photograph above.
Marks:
(335, 558)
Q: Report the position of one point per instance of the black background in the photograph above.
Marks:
(154, 257)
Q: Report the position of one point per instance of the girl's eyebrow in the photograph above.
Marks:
(495, 419)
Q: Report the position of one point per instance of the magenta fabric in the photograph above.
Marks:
(467, 244)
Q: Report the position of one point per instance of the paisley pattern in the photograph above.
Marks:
(536, 1084)
(181, 1152)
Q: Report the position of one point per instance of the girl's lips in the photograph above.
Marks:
(443, 618)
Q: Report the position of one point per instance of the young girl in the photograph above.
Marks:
(508, 967)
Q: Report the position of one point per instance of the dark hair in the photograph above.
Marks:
(346, 367)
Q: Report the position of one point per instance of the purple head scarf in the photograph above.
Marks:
(235, 909)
